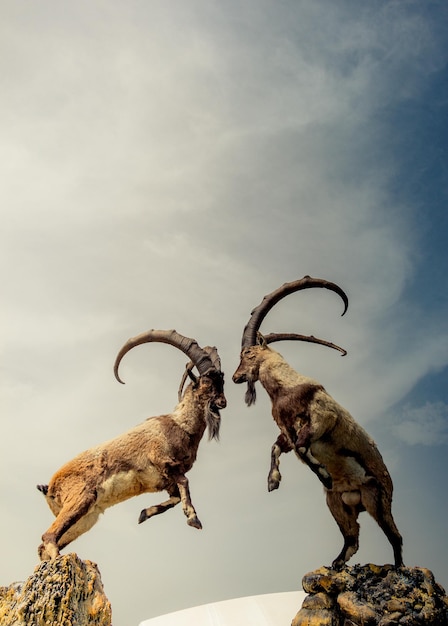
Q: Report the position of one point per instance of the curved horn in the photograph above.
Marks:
(259, 313)
(295, 337)
(212, 352)
(188, 373)
(190, 347)
(214, 356)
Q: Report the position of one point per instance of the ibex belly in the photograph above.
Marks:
(127, 484)
(346, 472)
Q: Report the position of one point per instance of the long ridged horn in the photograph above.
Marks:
(259, 313)
(271, 337)
(214, 356)
(199, 356)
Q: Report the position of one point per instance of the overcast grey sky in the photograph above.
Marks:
(165, 165)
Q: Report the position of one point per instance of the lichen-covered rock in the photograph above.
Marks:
(62, 592)
(372, 595)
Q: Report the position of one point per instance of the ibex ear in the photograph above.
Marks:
(261, 340)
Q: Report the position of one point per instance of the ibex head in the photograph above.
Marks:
(209, 383)
(254, 345)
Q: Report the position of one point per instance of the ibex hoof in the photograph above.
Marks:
(47, 552)
(142, 517)
(338, 565)
(193, 521)
(274, 481)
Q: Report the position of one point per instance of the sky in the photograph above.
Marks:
(166, 165)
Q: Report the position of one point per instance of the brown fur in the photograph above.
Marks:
(151, 457)
(325, 437)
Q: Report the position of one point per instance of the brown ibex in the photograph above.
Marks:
(321, 432)
(151, 457)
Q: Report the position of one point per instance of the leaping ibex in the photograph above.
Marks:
(320, 431)
(151, 457)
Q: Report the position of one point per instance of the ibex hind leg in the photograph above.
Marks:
(162, 507)
(379, 508)
(391, 531)
(71, 522)
(346, 518)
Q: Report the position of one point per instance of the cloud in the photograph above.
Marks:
(167, 165)
(426, 425)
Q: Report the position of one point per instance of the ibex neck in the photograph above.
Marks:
(189, 414)
(276, 376)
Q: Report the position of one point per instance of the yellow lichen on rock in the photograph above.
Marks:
(65, 591)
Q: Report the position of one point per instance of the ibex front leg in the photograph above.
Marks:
(179, 492)
(161, 508)
(187, 505)
(274, 476)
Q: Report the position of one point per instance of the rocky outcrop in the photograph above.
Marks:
(370, 595)
(65, 591)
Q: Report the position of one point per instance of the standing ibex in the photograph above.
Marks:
(151, 457)
(321, 432)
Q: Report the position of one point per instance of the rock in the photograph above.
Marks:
(355, 609)
(65, 591)
(372, 595)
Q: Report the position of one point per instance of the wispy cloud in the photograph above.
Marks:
(166, 165)
(427, 424)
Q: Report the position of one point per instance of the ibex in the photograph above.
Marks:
(320, 431)
(151, 457)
